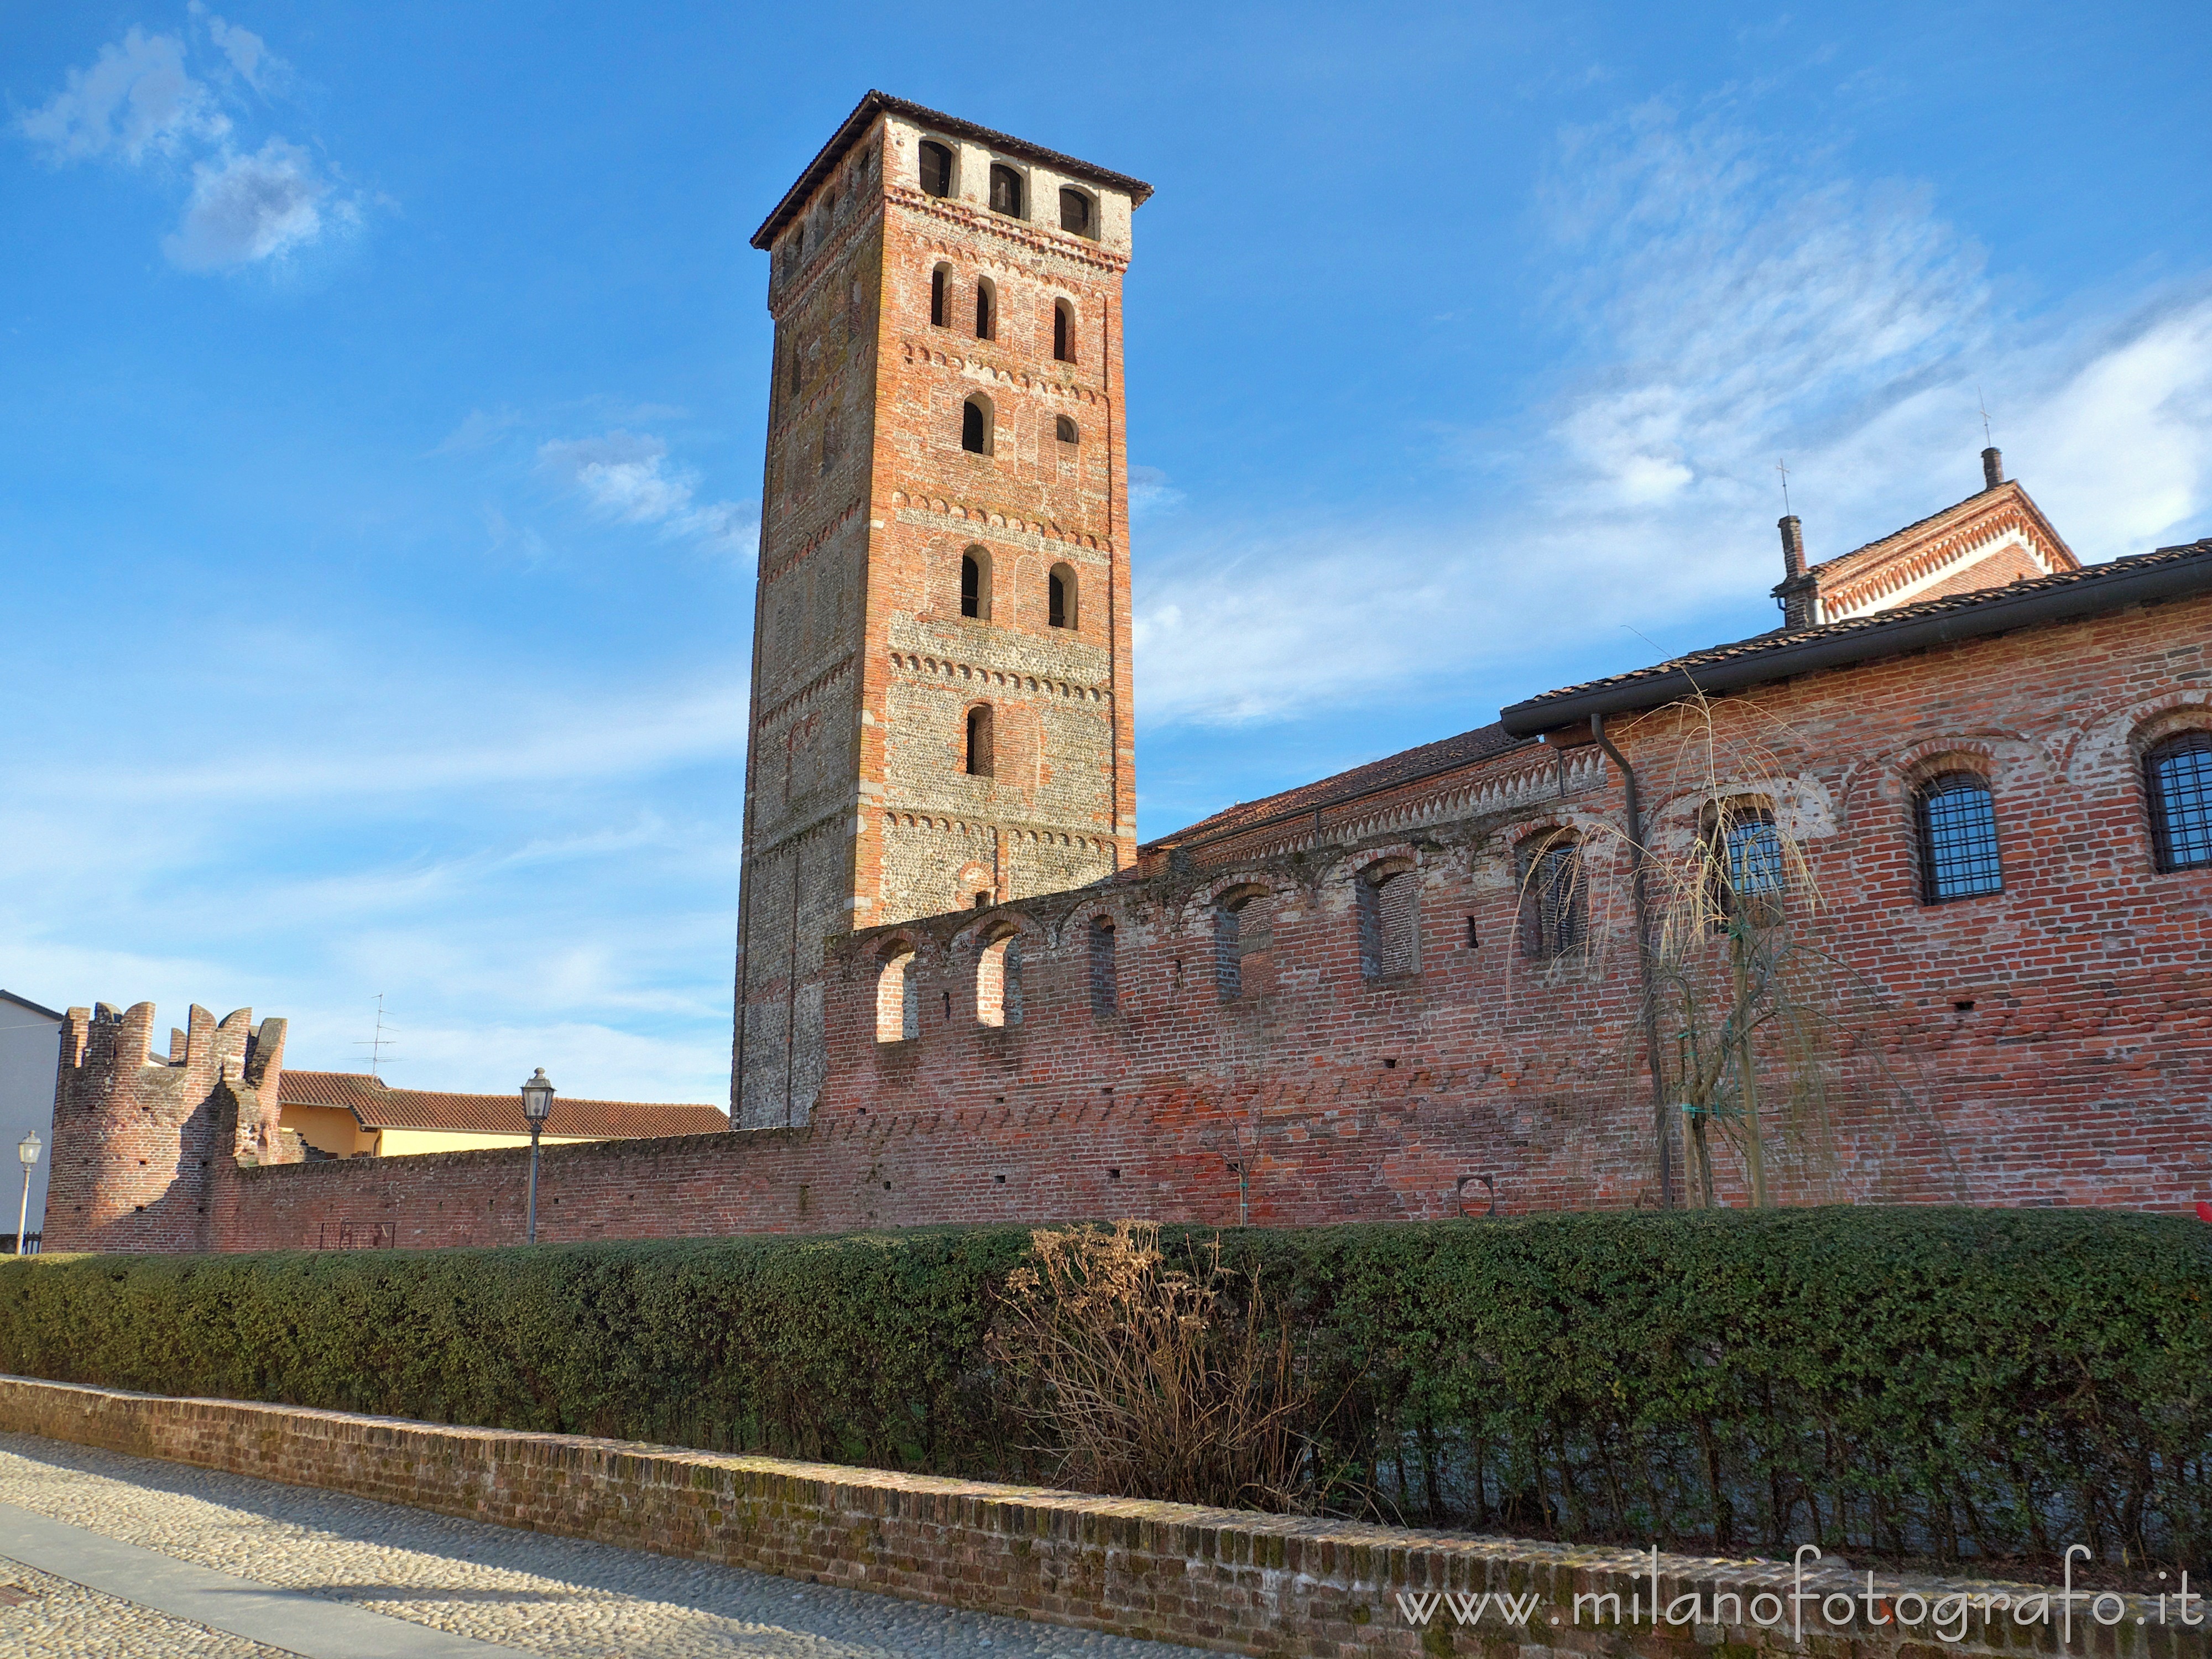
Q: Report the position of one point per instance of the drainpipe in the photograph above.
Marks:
(1661, 1127)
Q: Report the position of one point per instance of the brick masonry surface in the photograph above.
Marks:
(2047, 1044)
(1228, 1580)
(895, 309)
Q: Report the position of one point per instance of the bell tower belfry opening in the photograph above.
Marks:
(941, 710)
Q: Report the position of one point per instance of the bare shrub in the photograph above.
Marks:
(1155, 1383)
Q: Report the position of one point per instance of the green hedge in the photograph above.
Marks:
(1944, 1382)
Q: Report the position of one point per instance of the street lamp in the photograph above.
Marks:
(536, 1106)
(26, 1149)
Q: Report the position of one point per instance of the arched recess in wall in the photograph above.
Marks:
(1063, 332)
(941, 294)
(1388, 893)
(898, 996)
(998, 977)
(1105, 987)
(1060, 596)
(987, 309)
(1244, 940)
(975, 583)
(976, 424)
(981, 757)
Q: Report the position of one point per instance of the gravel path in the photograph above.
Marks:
(523, 1591)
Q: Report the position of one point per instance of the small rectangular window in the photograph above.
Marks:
(1075, 213)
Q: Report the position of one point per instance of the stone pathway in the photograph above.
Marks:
(129, 1558)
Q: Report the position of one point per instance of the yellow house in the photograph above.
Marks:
(355, 1114)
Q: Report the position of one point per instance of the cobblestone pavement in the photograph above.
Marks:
(525, 1592)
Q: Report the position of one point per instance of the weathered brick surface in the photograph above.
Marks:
(2079, 1074)
(1227, 1580)
(141, 1143)
(858, 805)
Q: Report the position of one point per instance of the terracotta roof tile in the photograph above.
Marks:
(1875, 624)
(377, 1106)
(1447, 755)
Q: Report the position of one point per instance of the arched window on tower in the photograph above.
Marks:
(936, 168)
(987, 307)
(1105, 992)
(1957, 825)
(982, 759)
(976, 584)
(1063, 427)
(1063, 332)
(1060, 596)
(1006, 190)
(898, 997)
(2178, 774)
(998, 980)
(939, 281)
(1078, 213)
(976, 425)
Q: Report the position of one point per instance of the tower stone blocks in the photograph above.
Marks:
(137, 1140)
(941, 695)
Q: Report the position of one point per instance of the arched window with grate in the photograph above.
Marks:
(2178, 775)
(1104, 992)
(1390, 919)
(1745, 864)
(1063, 332)
(1957, 823)
(898, 997)
(936, 168)
(982, 761)
(1006, 190)
(1555, 908)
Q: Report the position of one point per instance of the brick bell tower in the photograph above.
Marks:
(941, 711)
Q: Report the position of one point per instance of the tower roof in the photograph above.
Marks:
(877, 103)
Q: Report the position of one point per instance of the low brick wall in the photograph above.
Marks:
(1223, 1579)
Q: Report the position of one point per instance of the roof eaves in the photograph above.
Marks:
(40, 1009)
(2168, 573)
(877, 102)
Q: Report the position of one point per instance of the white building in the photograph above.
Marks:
(30, 1049)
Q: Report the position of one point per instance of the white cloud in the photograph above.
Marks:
(135, 100)
(247, 208)
(627, 476)
(249, 54)
(1734, 306)
(138, 102)
(1150, 492)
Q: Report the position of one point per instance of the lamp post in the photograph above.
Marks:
(26, 1149)
(536, 1104)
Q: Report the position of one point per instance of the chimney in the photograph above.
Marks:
(1798, 591)
(1992, 469)
(1793, 546)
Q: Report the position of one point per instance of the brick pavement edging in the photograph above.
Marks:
(1224, 1579)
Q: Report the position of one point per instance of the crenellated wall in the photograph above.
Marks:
(141, 1143)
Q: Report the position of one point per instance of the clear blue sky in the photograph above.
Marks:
(382, 390)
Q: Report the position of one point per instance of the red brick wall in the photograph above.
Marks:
(1228, 1580)
(2080, 1074)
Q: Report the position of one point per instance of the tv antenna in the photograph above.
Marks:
(376, 1045)
(1782, 467)
(1982, 403)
